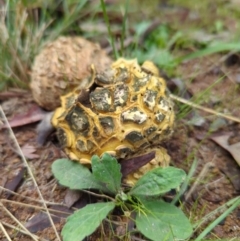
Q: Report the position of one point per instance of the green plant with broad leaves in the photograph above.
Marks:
(155, 218)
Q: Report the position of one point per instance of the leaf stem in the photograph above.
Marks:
(98, 195)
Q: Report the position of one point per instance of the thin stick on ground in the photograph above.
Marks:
(33, 206)
(208, 110)
(29, 198)
(201, 176)
(5, 232)
(19, 223)
(29, 171)
(21, 231)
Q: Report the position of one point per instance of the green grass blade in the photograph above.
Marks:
(68, 20)
(220, 47)
(124, 27)
(109, 29)
(198, 99)
(213, 213)
(208, 229)
(186, 182)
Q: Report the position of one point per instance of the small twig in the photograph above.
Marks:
(33, 206)
(29, 171)
(21, 231)
(99, 195)
(200, 177)
(15, 219)
(208, 110)
(5, 232)
(29, 198)
(186, 182)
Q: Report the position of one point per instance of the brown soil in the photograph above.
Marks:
(215, 164)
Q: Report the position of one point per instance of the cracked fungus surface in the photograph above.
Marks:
(126, 112)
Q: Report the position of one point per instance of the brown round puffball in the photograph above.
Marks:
(61, 66)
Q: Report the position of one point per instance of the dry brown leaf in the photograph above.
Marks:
(28, 151)
(15, 182)
(71, 197)
(12, 93)
(134, 163)
(34, 114)
(41, 221)
(234, 149)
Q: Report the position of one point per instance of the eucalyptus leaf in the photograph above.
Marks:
(85, 221)
(107, 171)
(158, 181)
(163, 221)
(75, 176)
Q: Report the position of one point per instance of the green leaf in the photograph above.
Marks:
(75, 176)
(158, 181)
(108, 171)
(84, 221)
(163, 221)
